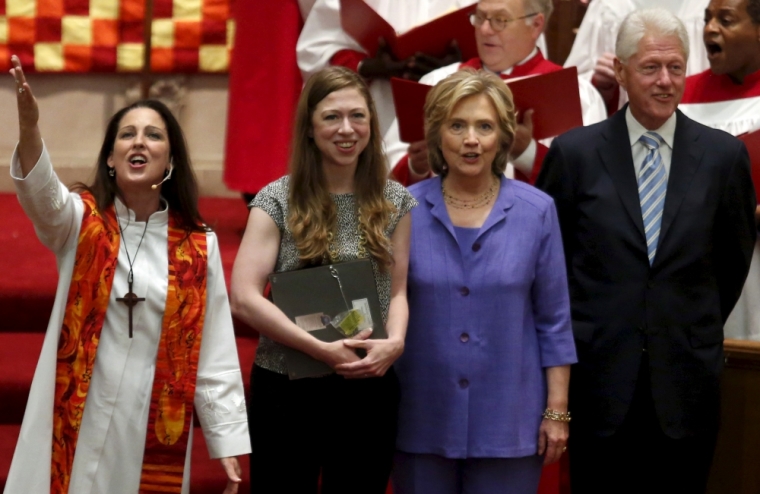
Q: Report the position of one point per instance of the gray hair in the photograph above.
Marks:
(657, 22)
(539, 7)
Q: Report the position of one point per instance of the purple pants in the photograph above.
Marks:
(426, 473)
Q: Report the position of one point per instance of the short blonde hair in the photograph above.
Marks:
(442, 99)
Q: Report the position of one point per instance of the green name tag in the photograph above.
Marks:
(348, 322)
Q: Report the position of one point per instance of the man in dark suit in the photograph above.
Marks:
(657, 218)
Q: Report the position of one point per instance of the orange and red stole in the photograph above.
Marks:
(169, 424)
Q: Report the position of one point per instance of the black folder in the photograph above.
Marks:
(304, 294)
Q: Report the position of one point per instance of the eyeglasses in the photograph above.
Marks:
(477, 19)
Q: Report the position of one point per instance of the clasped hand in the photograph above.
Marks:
(380, 355)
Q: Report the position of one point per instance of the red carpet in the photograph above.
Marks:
(27, 289)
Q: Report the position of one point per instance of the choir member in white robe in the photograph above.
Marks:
(512, 52)
(727, 97)
(323, 37)
(111, 440)
(594, 46)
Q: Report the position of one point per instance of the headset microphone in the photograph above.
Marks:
(167, 177)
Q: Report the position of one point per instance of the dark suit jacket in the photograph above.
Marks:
(673, 310)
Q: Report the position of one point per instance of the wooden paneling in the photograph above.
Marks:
(736, 468)
(563, 24)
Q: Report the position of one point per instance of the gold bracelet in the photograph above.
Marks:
(550, 414)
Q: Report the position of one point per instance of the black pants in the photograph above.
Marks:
(640, 458)
(341, 429)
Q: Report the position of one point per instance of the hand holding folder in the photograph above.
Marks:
(366, 26)
(554, 97)
(313, 297)
(752, 141)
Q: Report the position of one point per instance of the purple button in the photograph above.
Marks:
(464, 291)
(463, 383)
(464, 337)
(476, 247)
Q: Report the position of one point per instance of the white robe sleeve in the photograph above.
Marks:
(219, 393)
(592, 104)
(321, 37)
(56, 215)
(597, 34)
(47, 202)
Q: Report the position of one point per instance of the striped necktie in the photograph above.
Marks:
(653, 183)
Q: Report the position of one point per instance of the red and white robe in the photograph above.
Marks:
(718, 102)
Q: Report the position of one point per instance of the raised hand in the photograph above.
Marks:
(30, 140)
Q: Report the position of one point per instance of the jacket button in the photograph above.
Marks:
(650, 284)
(464, 337)
(464, 291)
(476, 247)
(463, 383)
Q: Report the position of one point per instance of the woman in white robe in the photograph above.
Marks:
(143, 144)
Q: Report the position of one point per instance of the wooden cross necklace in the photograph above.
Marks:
(131, 299)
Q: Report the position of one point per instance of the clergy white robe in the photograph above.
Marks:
(708, 100)
(111, 442)
(322, 37)
(600, 26)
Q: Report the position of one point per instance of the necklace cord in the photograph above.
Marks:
(130, 276)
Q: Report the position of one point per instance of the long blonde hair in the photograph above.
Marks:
(313, 215)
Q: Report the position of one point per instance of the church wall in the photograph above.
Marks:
(74, 110)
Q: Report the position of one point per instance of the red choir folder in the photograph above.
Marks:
(554, 98)
(752, 141)
(366, 26)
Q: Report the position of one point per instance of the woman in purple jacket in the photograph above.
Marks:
(485, 371)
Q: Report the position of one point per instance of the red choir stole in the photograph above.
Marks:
(169, 424)
(536, 65)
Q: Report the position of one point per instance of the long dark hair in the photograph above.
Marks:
(181, 191)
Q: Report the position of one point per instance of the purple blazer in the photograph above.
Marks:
(485, 320)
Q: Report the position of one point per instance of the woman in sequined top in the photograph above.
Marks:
(335, 205)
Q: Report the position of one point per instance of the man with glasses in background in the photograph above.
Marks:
(506, 32)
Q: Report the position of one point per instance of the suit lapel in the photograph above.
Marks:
(434, 197)
(615, 153)
(686, 158)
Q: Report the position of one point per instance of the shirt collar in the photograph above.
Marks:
(635, 130)
(159, 217)
(524, 60)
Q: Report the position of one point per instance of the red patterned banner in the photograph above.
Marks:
(108, 35)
